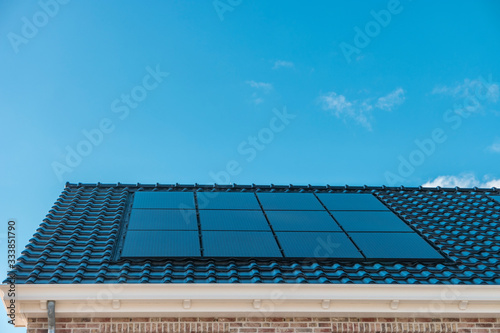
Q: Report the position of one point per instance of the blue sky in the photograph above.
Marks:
(381, 92)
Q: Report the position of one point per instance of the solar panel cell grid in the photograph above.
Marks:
(251, 244)
(165, 200)
(370, 221)
(233, 220)
(227, 200)
(289, 201)
(351, 201)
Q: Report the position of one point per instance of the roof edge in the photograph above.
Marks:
(282, 186)
(127, 300)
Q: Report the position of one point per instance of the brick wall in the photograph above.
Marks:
(267, 325)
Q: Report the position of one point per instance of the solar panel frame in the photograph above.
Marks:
(232, 220)
(234, 244)
(162, 219)
(495, 197)
(396, 246)
(163, 200)
(370, 221)
(227, 200)
(303, 220)
(317, 245)
(289, 201)
(351, 201)
(161, 244)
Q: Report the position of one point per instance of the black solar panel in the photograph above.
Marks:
(162, 219)
(289, 201)
(233, 220)
(394, 246)
(370, 221)
(150, 244)
(227, 200)
(165, 224)
(317, 245)
(240, 244)
(302, 221)
(351, 201)
(166, 200)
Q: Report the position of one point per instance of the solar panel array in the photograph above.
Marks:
(269, 225)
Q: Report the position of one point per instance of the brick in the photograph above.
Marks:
(405, 320)
(71, 325)
(469, 320)
(339, 319)
(82, 320)
(487, 320)
(449, 320)
(208, 319)
(274, 319)
(64, 320)
(225, 319)
(171, 320)
(386, 320)
(101, 320)
(366, 320)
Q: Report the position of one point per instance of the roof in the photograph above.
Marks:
(77, 241)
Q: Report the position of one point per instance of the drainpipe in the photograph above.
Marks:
(51, 313)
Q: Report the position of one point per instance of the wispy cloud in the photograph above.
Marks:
(360, 110)
(392, 100)
(283, 64)
(264, 86)
(260, 87)
(486, 91)
(463, 180)
(495, 146)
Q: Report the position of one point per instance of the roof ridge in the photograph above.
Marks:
(289, 186)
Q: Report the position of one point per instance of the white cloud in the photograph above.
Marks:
(483, 91)
(393, 99)
(283, 64)
(260, 87)
(463, 180)
(495, 147)
(264, 86)
(360, 110)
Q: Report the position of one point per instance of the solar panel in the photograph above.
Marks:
(394, 246)
(289, 201)
(162, 219)
(302, 221)
(317, 245)
(227, 200)
(161, 244)
(233, 220)
(370, 221)
(165, 200)
(351, 201)
(240, 244)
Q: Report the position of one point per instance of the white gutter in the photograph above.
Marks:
(221, 300)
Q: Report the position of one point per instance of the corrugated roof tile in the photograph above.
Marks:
(76, 241)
